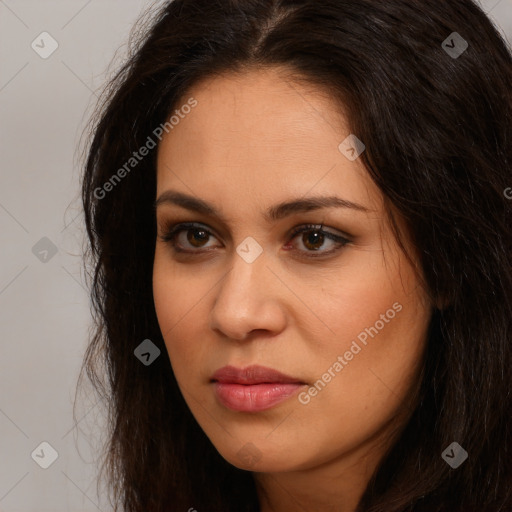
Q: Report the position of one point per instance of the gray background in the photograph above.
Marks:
(44, 308)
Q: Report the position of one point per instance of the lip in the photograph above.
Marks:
(253, 389)
(254, 374)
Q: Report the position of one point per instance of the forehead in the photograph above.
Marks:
(260, 136)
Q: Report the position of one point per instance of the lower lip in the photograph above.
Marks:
(254, 397)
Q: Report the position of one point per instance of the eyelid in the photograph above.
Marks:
(321, 227)
(169, 229)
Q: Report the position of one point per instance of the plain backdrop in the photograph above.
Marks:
(44, 305)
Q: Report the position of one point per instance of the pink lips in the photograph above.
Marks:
(252, 389)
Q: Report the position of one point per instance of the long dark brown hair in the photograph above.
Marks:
(436, 118)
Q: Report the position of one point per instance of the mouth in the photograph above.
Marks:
(253, 389)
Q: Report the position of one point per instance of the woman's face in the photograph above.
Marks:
(339, 312)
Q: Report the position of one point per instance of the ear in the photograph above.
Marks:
(443, 301)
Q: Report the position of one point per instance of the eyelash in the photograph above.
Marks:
(171, 232)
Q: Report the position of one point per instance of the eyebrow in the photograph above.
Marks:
(275, 212)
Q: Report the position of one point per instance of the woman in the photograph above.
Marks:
(301, 242)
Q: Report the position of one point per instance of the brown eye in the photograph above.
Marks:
(313, 240)
(197, 236)
(316, 241)
(314, 237)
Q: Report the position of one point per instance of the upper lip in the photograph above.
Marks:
(254, 374)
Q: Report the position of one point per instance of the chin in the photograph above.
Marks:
(260, 457)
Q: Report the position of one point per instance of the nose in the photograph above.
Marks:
(248, 298)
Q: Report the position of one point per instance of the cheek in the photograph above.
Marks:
(179, 302)
(372, 297)
(176, 297)
(167, 287)
(380, 321)
(349, 401)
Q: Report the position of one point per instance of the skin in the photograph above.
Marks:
(254, 140)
